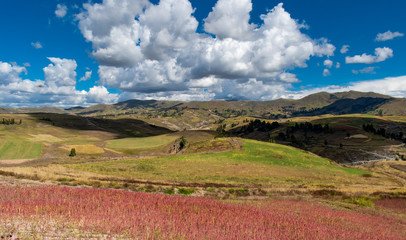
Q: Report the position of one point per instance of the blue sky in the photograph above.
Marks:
(67, 53)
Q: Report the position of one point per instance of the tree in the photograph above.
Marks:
(72, 152)
(182, 143)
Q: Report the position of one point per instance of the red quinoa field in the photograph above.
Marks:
(60, 212)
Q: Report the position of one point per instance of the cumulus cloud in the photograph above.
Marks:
(230, 19)
(57, 89)
(328, 63)
(381, 54)
(60, 73)
(87, 76)
(10, 73)
(326, 72)
(338, 65)
(344, 49)
(155, 50)
(392, 86)
(100, 94)
(36, 45)
(61, 10)
(388, 36)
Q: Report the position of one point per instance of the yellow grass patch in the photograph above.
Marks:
(84, 149)
(112, 150)
(44, 138)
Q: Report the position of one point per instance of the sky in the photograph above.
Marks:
(67, 53)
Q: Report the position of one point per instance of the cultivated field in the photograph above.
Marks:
(258, 164)
(19, 149)
(56, 212)
(119, 185)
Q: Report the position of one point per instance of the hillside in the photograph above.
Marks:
(315, 104)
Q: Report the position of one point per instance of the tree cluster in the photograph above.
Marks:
(382, 132)
(309, 127)
(258, 125)
(10, 121)
(306, 127)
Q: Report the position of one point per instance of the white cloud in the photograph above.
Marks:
(58, 88)
(381, 54)
(60, 74)
(100, 94)
(338, 65)
(344, 49)
(113, 31)
(230, 19)
(61, 10)
(326, 72)
(155, 50)
(365, 70)
(251, 89)
(388, 36)
(36, 45)
(192, 94)
(10, 73)
(87, 76)
(328, 63)
(392, 86)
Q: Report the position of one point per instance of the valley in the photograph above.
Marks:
(237, 158)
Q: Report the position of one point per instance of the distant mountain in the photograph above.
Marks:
(348, 106)
(4, 110)
(319, 103)
(314, 104)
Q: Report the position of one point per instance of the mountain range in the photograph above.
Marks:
(316, 104)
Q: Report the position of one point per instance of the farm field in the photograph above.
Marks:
(19, 149)
(257, 164)
(126, 183)
(137, 143)
(60, 212)
(133, 146)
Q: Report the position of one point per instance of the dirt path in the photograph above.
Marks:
(12, 181)
(16, 161)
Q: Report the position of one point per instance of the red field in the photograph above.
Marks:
(396, 205)
(56, 212)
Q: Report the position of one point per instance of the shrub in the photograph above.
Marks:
(72, 152)
(182, 143)
(186, 191)
(169, 191)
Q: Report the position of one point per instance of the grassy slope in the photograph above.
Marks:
(139, 143)
(54, 135)
(18, 149)
(259, 164)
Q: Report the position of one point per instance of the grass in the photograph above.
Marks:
(84, 149)
(259, 164)
(19, 149)
(140, 143)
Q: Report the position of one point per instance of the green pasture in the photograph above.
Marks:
(140, 143)
(259, 163)
(19, 149)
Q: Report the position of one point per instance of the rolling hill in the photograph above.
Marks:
(314, 104)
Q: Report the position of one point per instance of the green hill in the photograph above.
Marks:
(258, 164)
